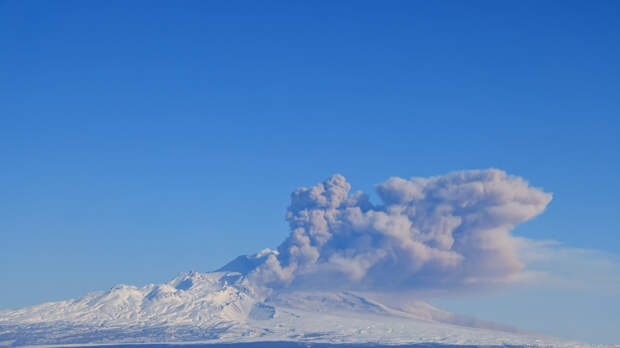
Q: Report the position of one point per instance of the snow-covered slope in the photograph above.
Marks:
(225, 307)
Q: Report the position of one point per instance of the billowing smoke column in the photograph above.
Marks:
(436, 232)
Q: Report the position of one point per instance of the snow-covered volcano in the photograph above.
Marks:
(226, 307)
(450, 230)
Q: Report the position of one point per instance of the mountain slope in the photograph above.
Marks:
(226, 307)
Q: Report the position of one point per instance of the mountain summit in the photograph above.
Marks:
(225, 306)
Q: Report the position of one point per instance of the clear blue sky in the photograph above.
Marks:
(141, 139)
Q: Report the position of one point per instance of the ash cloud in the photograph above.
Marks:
(437, 232)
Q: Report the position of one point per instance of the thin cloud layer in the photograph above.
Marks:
(437, 232)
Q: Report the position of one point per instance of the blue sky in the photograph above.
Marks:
(142, 139)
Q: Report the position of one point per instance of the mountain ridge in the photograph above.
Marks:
(227, 307)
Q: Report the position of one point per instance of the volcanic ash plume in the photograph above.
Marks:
(428, 233)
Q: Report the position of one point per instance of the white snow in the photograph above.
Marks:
(225, 307)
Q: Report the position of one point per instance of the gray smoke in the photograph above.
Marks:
(437, 232)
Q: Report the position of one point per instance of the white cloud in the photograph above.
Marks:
(575, 293)
(553, 265)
